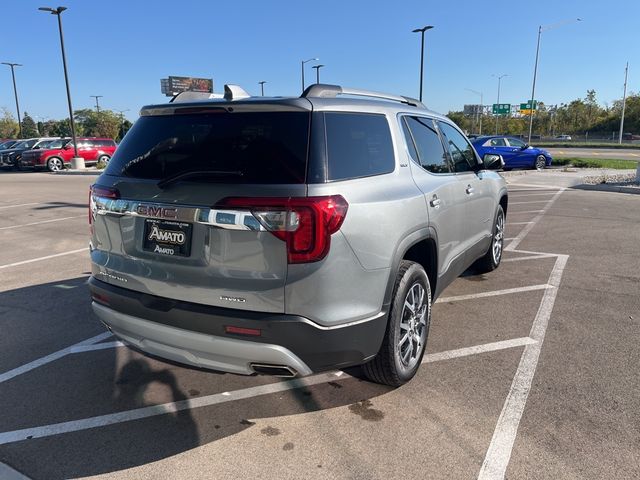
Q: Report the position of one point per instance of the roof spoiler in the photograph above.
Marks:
(321, 90)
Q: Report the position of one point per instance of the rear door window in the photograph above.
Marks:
(266, 147)
(358, 145)
(431, 154)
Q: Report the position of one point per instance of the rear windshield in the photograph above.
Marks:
(265, 147)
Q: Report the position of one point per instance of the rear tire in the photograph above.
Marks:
(491, 260)
(407, 331)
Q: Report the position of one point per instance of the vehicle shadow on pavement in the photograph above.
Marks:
(51, 205)
(46, 318)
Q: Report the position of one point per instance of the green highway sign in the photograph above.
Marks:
(501, 108)
(527, 106)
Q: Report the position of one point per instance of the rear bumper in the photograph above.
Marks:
(195, 334)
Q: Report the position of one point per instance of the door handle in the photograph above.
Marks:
(470, 190)
(435, 202)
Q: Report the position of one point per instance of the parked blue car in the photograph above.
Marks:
(515, 152)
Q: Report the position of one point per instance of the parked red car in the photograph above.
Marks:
(59, 153)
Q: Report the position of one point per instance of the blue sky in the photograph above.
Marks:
(121, 49)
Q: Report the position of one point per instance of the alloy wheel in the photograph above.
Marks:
(413, 326)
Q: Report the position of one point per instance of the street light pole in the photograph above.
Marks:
(535, 68)
(262, 87)
(97, 104)
(15, 92)
(421, 31)
(302, 69)
(317, 67)
(500, 77)
(58, 12)
(624, 102)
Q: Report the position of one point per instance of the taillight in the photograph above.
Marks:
(103, 192)
(304, 223)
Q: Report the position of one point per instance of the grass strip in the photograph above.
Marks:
(613, 163)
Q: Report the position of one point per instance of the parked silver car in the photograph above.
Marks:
(290, 235)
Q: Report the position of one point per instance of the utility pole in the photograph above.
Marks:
(97, 103)
(15, 92)
(624, 102)
(262, 87)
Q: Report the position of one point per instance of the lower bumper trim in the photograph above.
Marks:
(197, 349)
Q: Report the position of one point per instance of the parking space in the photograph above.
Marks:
(76, 403)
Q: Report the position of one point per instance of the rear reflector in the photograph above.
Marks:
(97, 297)
(304, 223)
(242, 331)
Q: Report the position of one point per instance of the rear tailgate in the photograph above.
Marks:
(174, 240)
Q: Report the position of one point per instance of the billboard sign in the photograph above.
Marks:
(173, 85)
(472, 109)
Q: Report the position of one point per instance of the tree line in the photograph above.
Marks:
(88, 123)
(580, 117)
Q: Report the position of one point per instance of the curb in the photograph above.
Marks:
(78, 172)
(603, 187)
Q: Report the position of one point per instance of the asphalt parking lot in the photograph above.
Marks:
(531, 371)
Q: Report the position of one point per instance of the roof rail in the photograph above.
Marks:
(332, 91)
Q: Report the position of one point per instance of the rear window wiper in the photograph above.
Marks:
(197, 173)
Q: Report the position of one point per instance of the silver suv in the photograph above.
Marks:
(288, 236)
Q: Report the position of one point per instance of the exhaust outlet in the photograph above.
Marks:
(282, 371)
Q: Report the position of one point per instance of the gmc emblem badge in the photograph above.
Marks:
(157, 212)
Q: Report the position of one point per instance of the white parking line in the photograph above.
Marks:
(8, 473)
(19, 205)
(530, 257)
(95, 346)
(27, 367)
(518, 223)
(487, 347)
(40, 223)
(493, 293)
(224, 397)
(525, 203)
(523, 233)
(546, 194)
(531, 185)
(499, 452)
(24, 262)
(525, 211)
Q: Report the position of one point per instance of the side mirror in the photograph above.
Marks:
(66, 147)
(524, 147)
(493, 162)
